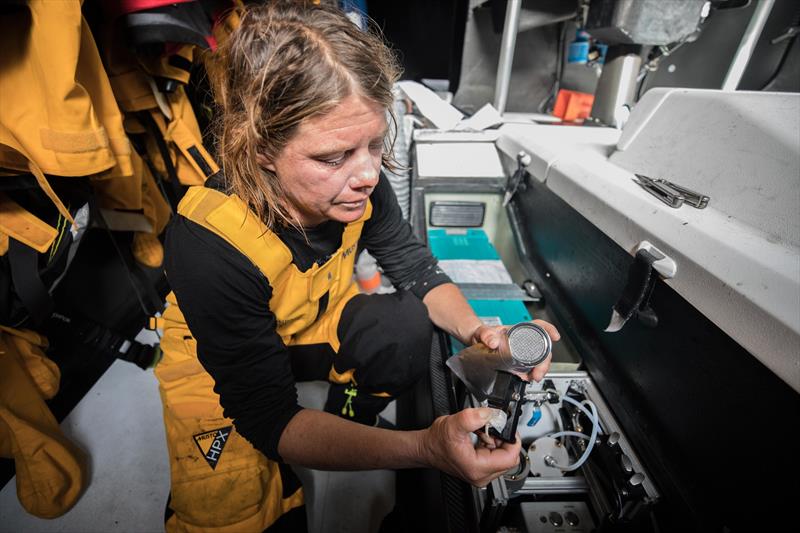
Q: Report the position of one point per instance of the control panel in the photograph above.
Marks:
(561, 517)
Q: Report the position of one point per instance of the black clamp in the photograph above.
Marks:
(508, 395)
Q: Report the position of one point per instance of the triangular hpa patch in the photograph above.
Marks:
(211, 443)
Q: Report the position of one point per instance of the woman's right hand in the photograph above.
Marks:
(447, 445)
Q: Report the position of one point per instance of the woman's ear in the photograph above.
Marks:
(265, 162)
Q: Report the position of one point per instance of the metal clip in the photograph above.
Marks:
(694, 199)
(669, 196)
(516, 181)
(672, 194)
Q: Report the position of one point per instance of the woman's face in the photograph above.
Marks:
(331, 165)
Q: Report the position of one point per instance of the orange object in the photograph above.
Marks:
(370, 285)
(573, 106)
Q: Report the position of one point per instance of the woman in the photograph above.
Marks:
(261, 262)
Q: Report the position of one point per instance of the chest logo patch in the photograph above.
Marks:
(211, 443)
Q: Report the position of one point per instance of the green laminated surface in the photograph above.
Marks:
(472, 244)
(509, 312)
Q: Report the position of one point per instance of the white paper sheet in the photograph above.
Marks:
(476, 271)
(483, 118)
(443, 115)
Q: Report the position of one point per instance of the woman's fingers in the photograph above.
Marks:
(550, 329)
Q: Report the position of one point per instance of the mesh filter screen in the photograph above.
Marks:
(529, 344)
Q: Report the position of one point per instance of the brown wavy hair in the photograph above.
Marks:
(285, 63)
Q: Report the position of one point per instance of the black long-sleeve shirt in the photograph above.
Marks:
(225, 300)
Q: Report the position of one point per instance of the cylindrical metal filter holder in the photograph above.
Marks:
(529, 344)
(523, 346)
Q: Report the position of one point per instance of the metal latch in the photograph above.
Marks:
(635, 298)
(672, 194)
(788, 34)
(515, 181)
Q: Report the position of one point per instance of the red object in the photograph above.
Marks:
(116, 8)
(132, 6)
(573, 106)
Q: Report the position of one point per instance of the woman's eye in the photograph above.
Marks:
(376, 148)
(335, 162)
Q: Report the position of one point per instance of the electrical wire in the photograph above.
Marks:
(592, 441)
(569, 434)
(553, 92)
(555, 416)
(593, 417)
(583, 409)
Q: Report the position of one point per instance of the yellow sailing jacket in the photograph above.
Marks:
(57, 106)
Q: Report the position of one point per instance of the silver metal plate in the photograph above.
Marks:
(493, 291)
(547, 447)
(557, 517)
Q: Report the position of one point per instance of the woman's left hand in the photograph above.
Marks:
(491, 335)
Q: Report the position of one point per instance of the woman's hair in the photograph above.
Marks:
(285, 63)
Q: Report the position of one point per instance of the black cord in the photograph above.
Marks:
(641, 84)
(795, 21)
(553, 93)
(151, 127)
(101, 221)
(169, 197)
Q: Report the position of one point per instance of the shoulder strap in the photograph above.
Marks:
(77, 329)
(27, 283)
(228, 217)
(24, 226)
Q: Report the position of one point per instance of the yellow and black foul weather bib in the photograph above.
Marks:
(219, 480)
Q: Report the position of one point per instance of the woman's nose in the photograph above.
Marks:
(364, 173)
